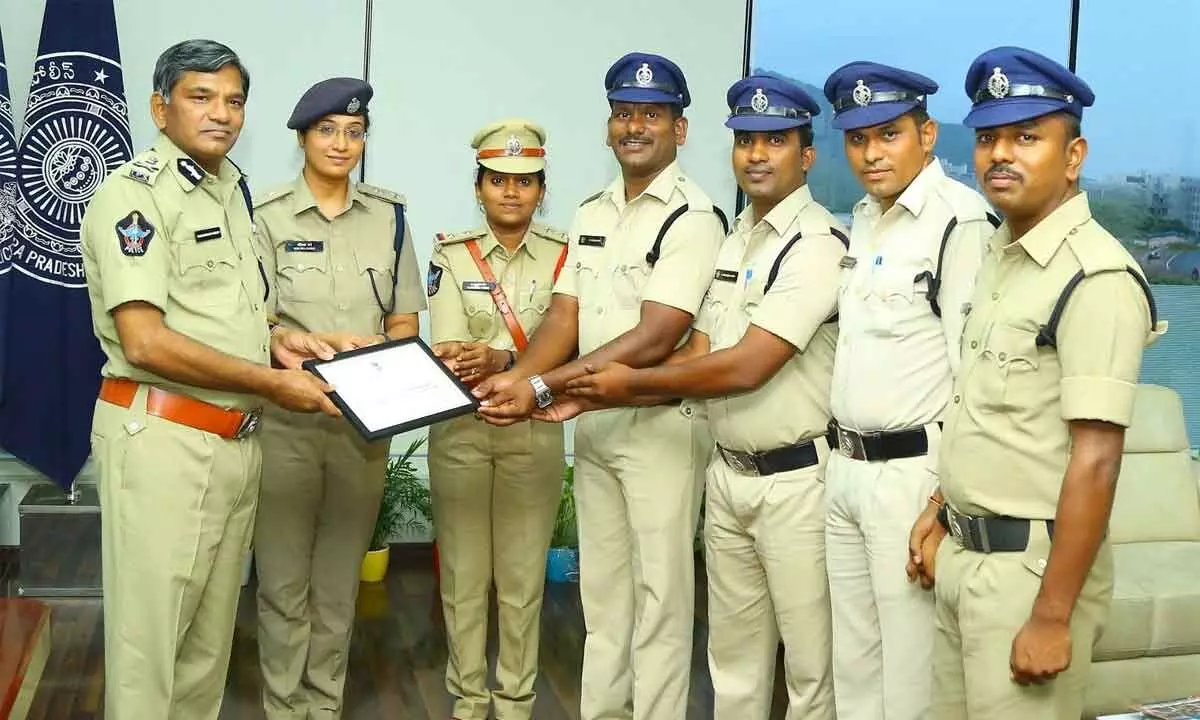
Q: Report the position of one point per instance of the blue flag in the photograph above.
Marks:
(8, 198)
(76, 132)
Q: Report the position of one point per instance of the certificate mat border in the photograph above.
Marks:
(314, 366)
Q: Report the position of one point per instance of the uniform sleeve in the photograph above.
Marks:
(804, 295)
(567, 283)
(410, 295)
(1100, 341)
(130, 244)
(447, 320)
(264, 246)
(964, 255)
(707, 317)
(685, 268)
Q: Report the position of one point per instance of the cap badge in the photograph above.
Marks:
(644, 75)
(513, 146)
(759, 102)
(353, 106)
(998, 84)
(861, 94)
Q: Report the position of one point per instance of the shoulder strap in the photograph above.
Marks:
(262, 270)
(1048, 334)
(934, 280)
(498, 297)
(779, 261)
(656, 249)
(397, 246)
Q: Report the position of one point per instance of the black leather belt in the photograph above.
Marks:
(878, 446)
(792, 457)
(988, 534)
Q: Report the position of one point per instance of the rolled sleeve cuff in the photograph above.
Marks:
(1098, 398)
(677, 300)
(126, 289)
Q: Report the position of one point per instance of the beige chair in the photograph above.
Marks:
(1150, 649)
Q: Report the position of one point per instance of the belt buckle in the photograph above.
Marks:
(250, 422)
(956, 530)
(735, 461)
(850, 444)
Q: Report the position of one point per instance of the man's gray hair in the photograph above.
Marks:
(206, 56)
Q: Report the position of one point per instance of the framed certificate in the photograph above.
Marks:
(393, 387)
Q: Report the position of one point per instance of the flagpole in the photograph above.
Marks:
(366, 75)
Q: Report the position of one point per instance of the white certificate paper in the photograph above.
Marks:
(393, 387)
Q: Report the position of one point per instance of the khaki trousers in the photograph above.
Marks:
(983, 600)
(638, 481)
(764, 540)
(882, 624)
(177, 507)
(321, 488)
(496, 492)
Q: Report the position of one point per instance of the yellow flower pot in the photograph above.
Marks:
(374, 566)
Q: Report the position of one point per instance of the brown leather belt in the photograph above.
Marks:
(229, 424)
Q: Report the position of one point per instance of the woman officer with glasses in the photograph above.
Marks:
(343, 265)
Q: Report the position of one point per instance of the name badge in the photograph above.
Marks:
(725, 275)
(847, 262)
(304, 246)
(592, 240)
(477, 286)
(206, 234)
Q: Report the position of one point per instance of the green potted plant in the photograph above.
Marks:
(406, 506)
(562, 561)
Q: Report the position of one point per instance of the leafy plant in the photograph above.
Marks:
(406, 503)
(566, 533)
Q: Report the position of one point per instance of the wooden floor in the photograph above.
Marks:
(397, 659)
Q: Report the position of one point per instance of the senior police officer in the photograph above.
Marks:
(915, 247)
(762, 353)
(1033, 437)
(496, 490)
(177, 296)
(342, 260)
(641, 257)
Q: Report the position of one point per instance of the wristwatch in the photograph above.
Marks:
(541, 392)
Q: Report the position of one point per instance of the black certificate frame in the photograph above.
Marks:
(470, 405)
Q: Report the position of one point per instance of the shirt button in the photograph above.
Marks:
(578, 265)
(995, 296)
(599, 311)
(341, 306)
(957, 399)
(974, 344)
(1042, 563)
(210, 264)
(301, 267)
(1003, 356)
(134, 426)
(340, 268)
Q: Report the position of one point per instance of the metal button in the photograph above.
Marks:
(210, 264)
(578, 265)
(1003, 356)
(134, 426)
(995, 296)
(687, 411)
(957, 399)
(974, 344)
(624, 268)
(1042, 563)
(302, 266)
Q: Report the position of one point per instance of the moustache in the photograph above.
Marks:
(1002, 170)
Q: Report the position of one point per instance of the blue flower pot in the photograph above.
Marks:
(562, 565)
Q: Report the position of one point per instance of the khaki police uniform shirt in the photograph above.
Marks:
(461, 306)
(1006, 441)
(896, 359)
(187, 249)
(794, 404)
(607, 271)
(335, 274)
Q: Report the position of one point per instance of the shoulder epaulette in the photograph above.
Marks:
(145, 167)
(279, 192)
(382, 194)
(550, 233)
(463, 236)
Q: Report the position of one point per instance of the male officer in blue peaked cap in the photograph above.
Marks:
(1033, 439)
(916, 242)
(761, 352)
(641, 256)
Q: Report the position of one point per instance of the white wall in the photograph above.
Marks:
(440, 70)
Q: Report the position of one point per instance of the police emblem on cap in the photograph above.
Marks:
(759, 102)
(644, 75)
(353, 106)
(998, 84)
(513, 146)
(861, 94)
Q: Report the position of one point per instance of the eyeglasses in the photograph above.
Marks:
(353, 134)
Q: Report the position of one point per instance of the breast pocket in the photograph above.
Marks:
(893, 300)
(589, 264)
(373, 286)
(1007, 370)
(208, 270)
(534, 306)
(628, 280)
(482, 315)
(303, 274)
